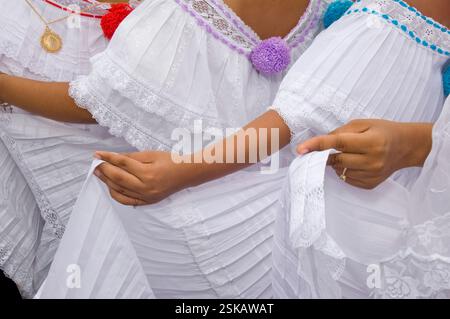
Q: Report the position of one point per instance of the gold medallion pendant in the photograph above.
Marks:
(50, 41)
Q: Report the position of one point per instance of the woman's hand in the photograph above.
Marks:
(141, 178)
(372, 150)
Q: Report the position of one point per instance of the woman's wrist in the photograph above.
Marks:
(416, 143)
(3, 77)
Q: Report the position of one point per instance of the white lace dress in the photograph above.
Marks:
(44, 163)
(383, 59)
(421, 268)
(170, 64)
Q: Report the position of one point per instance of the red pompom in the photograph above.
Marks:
(111, 21)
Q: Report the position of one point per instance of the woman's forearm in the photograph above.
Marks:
(257, 140)
(47, 99)
(416, 143)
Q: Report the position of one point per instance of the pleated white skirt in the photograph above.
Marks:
(212, 241)
(20, 226)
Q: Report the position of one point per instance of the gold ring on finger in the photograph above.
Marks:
(343, 176)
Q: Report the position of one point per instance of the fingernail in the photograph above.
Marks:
(97, 155)
(97, 173)
(303, 151)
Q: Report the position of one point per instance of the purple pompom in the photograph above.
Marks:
(271, 56)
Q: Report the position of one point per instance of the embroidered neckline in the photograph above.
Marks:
(420, 28)
(223, 23)
(252, 35)
(98, 12)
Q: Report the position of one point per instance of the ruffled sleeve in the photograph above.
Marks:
(161, 72)
(183, 64)
(364, 66)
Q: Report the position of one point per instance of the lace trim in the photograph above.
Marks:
(82, 5)
(412, 23)
(226, 26)
(144, 99)
(47, 211)
(12, 270)
(236, 20)
(326, 101)
(36, 66)
(305, 206)
(117, 123)
(422, 270)
(208, 17)
(309, 25)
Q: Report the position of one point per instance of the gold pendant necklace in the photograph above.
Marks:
(51, 42)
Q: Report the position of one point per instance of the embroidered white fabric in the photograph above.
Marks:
(20, 224)
(421, 268)
(353, 70)
(421, 28)
(162, 71)
(45, 158)
(304, 204)
(196, 78)
(20, 48)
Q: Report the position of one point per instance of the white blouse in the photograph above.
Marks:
(20, 47)
(421, 267)
(173, 62)
(192, 64)
(34, 200)
(383, 59)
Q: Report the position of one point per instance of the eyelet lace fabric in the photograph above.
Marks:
(421, 29)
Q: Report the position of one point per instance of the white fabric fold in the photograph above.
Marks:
(304, 203)
(187, 246)
(162, 71)
(47, 160)
(82, 270)
(363, 66)
(421, 267)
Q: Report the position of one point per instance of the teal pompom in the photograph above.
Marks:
(446, 80)
(335, 11)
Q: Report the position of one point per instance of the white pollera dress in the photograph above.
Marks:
(44, 163)
(421, 267)
(171, 63)
(383, 59)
